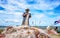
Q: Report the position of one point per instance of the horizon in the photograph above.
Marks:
(43, 12)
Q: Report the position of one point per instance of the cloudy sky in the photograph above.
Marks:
(44, 12)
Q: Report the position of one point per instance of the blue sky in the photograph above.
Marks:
(44, 12)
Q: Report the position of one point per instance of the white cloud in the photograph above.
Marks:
(51, 13)
(42, 19)
(15, 13)
(39, 19)
(20, 5)
(39, 15)
(43, 5)
(12, 20)
(57, 18)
